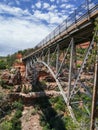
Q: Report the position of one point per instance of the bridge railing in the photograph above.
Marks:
(81, 12)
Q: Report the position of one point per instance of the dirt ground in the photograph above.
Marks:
(30, 121)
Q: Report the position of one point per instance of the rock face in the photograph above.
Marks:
(17, 79)
(19, 64)
(6, 77)
(11, 78)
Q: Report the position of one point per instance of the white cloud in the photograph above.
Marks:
(52, 8)
(63, 6)
(21, 31)
(46, 5)
(13, 10)
(91, 5)
(50, 17)
(39, 15)
(52, 0)
(26, 0)
(57, 1)
(17, 2)
(69, 6)
(21, 34)
(64, 0)
(38, 4)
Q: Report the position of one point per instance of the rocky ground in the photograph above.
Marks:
(22, 89)
(30, 119)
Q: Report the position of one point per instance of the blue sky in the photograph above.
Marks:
(24, 23)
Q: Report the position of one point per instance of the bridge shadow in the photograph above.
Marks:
(49, 118)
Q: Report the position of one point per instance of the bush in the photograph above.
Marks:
(78, 65)
(46, 127)
(16, 124)
(34, 112)
(54, 100)
(70, 125)
(6, 125)
(18, 105)
(58, 103)
(1, 96)
(59, 124)
(3, 84)
(42, 120)
(59, 106)
(2, 64)
(18, 114)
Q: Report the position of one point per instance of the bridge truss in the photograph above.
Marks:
(72, 66)
(74, 79)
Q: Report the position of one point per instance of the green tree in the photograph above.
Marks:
(2, 64)
(10, 60)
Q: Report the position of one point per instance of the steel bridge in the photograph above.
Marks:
(69, 65)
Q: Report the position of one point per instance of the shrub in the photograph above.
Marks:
(6, 125)
(46, 127)
(58, 103)
(18, 105)
(16, 124)
(70, 125)
(60, 106)
(2, 64)
(42, 120)
(34, 112)
(18, 114)
(1, 96)
(3, 84)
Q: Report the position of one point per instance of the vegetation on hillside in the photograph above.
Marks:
(3, 64)
(8, 61)
(13, 122)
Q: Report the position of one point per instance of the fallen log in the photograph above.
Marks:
(27, 98)
(35, 94)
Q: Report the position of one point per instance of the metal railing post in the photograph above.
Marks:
(87, 3)
(66, 24)
(75, 16)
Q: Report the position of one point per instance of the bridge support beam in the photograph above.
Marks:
(74, 60)
(94, 113)
(70, 69)
(57, 59)
(48, 57)
(26, 71)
